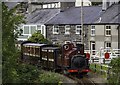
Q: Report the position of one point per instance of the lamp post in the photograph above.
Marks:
(82, 36)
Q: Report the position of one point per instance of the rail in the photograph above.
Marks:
(82, 81)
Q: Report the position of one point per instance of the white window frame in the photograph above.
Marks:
(55, 28)
(29, 29)
(67, 29)
(108, 43)
(78, 29)
(107, 30)
(108, 47)
(92, 30)
(41, 29)
(24, 30)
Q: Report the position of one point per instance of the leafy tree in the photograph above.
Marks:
(115, 75)
(39, 38)
(10, 21)
(27, 73)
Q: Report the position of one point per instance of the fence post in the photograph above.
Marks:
(93, 60)
(95, 67)
(101, 69)
(104, 60)
(108, 73)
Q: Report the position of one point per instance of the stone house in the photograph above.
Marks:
(101, 26)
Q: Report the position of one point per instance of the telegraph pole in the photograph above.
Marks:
(82, 36)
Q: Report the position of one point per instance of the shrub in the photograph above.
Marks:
(38, 38)
(28, 73)
(49, 78)
(115, 71)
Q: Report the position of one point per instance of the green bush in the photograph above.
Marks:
(28, 73)
(49, 78)
(114, 76)
(38, 38)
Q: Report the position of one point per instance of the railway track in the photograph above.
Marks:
(82, 81)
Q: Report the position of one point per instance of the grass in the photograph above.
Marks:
(100, 69)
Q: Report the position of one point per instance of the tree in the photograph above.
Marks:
(38, 38)
(115, 75)
(10, 22)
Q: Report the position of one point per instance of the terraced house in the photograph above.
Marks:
(101, 26)
(40, 12)
(62, 24)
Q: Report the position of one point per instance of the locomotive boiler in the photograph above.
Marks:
(68, 58)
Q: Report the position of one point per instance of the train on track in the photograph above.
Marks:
(67, 58)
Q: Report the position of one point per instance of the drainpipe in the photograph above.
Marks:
(119, 38)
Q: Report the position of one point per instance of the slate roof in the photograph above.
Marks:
(92, 15)
(11, 5)
(41, 16)
(111, 15)
(73, 15)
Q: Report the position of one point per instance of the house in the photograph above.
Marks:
(63, 24)
(101, 26)
(37, 13)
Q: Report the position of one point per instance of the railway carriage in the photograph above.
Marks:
(68, 58)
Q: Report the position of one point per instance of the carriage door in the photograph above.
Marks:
(92, 48)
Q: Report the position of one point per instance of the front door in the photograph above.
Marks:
(92, 47)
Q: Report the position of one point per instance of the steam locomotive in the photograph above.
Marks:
(68, 58)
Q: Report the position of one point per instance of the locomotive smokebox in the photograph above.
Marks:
(78, 61)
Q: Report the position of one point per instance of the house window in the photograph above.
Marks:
(67, 29)
(108, 31)
(56, 29)
(29, 29)
(33, 29)
(26, 30)
(78, 29)
(39, 28)
(108, 45)
(93, 31)
(43, 29)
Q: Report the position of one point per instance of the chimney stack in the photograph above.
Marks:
(66, 5)
(105, 5)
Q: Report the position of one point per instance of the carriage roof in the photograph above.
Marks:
(50, 48)
(33, 44)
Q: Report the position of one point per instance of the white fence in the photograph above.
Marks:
(97, 56)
